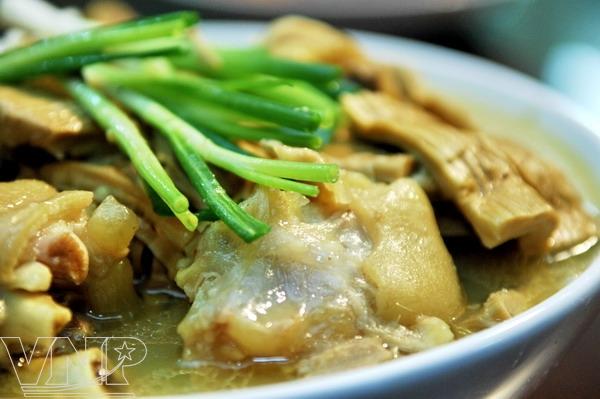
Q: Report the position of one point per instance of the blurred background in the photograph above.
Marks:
(556, 41)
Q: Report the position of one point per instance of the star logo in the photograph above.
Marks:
(124, 352)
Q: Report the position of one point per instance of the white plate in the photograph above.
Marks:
(503, 361)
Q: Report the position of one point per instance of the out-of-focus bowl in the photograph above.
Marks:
(507, 360)
(341, 9)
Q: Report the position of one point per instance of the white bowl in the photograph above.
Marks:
(341, 9)
(507, 360)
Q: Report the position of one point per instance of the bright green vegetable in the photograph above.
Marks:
(255, 96)
(301, 118)
(236, 63)
(204, 181)
(226, 123)
(164, 120)
(300, 94)
(73, 63)
(192, 150)
(120, 129)
(16, 64)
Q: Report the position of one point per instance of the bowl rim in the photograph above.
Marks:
(578, 292)
(352, 10)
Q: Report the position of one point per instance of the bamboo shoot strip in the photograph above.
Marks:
(124, 132)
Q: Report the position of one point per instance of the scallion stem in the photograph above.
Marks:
(15, 64)
(301, 118)
(124, 132)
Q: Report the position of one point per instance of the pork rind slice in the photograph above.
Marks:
(409, 266)
(470, 169)
(37, 223)
(326, 273)
(31, 316)
(165, 236)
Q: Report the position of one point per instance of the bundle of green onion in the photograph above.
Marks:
(152, 69)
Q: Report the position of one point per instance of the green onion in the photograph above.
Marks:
(72, 63)
(300, 118)
(204, 181)
(227, 123)
(298, 94)
(206, 215)
(124, 132)
(171, 125)
(16, 64)
(235, 63)
(336, 88)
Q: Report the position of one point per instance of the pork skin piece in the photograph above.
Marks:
(369, 263)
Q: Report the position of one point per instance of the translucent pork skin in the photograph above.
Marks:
(370, 262)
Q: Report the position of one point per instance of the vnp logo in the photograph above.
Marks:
(59, 369)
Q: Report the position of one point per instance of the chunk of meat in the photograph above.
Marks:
(31, 316)
(63, 252)
(306, 39)
(402, 84)
(13, 196)
(25, 216)
(39, 119)
(469, 168)
(307, 283)
(165, 236)
(32, 277)
(575, 225)
(57, 234)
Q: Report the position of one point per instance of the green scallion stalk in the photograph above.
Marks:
(205, 182)
(229, 124)
(15, 64)
(236, 63)
(120, 129)
(76, 62)
(164, 120)
(300, 118)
